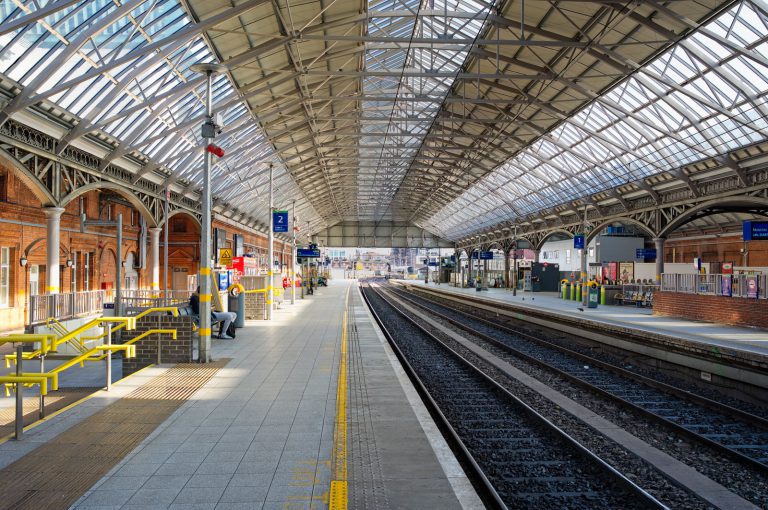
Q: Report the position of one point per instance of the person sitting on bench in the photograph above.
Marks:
(223, 318)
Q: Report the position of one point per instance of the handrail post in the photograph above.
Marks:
(108, 357)
(41, 412)
(19, 396)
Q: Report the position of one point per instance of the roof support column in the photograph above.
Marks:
(154, 254)
(659, 259)
(53, 240)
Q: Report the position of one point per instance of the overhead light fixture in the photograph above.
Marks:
(23, 261)
(70, 263)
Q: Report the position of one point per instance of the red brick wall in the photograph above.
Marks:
(719, 249)
(720, 309)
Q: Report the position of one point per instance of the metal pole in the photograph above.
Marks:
(293, 258)
(19, 396)
(118, 269)
(204, 339)
(165, 246)
(271, 249)
(514, 265)
(108, 357)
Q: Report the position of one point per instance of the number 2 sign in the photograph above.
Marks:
(279, 221)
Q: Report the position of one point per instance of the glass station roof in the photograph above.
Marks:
(700, 99)
(122, 68)
(458, 114)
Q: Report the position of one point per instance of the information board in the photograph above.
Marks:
(756, 230)
(308, 253)
(279, 221)
(645, 253)
(578, 242)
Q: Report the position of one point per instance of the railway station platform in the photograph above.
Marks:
(721, 349)
(642, 319)
(289, 407)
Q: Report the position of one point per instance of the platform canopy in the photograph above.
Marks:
(448, 115)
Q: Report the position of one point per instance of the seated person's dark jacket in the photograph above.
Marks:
(194, 303)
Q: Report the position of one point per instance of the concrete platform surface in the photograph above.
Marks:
(260, 433)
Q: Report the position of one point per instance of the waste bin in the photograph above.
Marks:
(594, 297)
(237, 305)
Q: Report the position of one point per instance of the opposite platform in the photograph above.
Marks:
(739, 354)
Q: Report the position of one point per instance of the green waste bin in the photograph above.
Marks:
(594, 297)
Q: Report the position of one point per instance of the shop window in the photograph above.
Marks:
(34, 280)
(5, 277)
(86, 271)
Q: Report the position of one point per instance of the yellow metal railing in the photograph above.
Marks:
(73, 337)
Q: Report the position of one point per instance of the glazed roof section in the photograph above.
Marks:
(456, 115)
(121, 69)
(701, 99)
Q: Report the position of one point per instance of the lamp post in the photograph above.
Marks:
(270, 249)
(293, 257)
(209, 129)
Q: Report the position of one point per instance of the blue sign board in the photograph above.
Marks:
(308, 253)
(279, 221)
(645, 253)
(755, 230)
(482, 255)
(578, 241)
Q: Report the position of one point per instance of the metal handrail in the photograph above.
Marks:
(715, 284)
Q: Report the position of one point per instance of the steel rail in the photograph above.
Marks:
(663, 387)
(581, 449)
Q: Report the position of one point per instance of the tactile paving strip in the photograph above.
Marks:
(57, 473)
(366, 481)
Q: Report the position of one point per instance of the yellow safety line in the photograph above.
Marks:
(68, 407)
(338, 492)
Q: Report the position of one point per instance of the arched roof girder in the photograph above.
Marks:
(748, 204)
(120, 190)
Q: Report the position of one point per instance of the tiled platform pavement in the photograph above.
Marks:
(260, 433)
(393, 463)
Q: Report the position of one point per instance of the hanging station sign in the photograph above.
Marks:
(279, 221)
(755, 230)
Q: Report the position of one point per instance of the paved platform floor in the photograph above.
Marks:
(260, 433)
(753, 340)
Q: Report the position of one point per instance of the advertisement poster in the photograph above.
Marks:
(752, 286)
(727, 268)
(725, 286)
(609, 271)
(627, 271)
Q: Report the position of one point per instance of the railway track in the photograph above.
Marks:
(520, 459)
(733, 432)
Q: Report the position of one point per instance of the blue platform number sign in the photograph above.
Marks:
(486, 255)
(578, 242)
(279, 221)
(755, 230)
